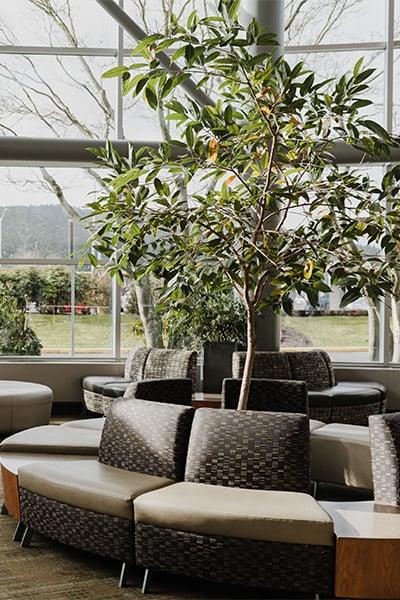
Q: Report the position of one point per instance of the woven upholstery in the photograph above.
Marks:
(385, 454)
(273, 395)
(294, 567)
(135, 363)
(173, 364)
(139, 436)
(253, 450)
(328, 401)
(172, 391)
(143, 364)
(314, 367)
(267, 365)
(310, 367)
(356, 415)
(107, 536)
(148, 437)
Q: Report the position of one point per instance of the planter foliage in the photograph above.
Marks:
(269, 212)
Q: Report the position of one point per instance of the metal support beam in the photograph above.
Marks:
(129, 25)
(269, 13)
(40, 152)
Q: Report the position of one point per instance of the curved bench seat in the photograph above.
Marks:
(51, 439)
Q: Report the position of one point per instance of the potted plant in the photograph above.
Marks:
(214, 324)
(271, 212)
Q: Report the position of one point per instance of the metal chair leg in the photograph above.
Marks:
(145, 580)
(123, 576)
(19, 531)
(4, 509)
(27, 537)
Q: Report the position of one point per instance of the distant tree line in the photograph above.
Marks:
(50, 288)
(38, 231)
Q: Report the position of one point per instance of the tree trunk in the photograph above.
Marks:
(250, 354)
(152, 324)
(396, 328)
(373, 330)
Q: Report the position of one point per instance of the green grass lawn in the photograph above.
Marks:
(92, 333)
(332, 333)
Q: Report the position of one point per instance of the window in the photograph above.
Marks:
(51, 86)
(330, 37)
(67, 305)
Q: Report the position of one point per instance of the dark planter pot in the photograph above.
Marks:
(217, 364)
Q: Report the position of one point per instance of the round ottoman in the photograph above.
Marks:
(23, 405)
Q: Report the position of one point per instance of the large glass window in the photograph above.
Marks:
(61, 307)
(316, 22)
(330, 37)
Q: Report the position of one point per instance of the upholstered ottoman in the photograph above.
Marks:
(23, 405)
(340, 454)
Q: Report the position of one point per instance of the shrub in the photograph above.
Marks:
(16, 337)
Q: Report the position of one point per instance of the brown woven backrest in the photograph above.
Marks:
(254, 450)
(312, 367)
(267, 365)
(273, 395)
(384, 433)
(167, 364)
(147, 437)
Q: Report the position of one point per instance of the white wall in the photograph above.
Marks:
(64, 378)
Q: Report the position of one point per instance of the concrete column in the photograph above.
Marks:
(269, 14)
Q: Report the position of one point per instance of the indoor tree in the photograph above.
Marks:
(269, 211)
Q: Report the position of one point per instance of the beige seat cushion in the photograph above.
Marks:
(340, 454)
(50, 439)
(288, 517)
(315, 425)
(89, 485)
(92, 424)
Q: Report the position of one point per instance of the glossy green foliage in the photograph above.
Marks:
(248, 195)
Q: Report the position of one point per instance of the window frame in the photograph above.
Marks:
(119, 52)
(388, 45)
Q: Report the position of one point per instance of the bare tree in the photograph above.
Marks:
(30, 95)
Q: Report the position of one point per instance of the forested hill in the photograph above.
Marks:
(38, 232)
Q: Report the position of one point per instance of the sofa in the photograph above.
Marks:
(329, 401)
(243, 513)
(150, 374)
(239, 495)
(89, 504)
(385, 455)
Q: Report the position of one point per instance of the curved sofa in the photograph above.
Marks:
(150, 374)
(329, 401)
(169, 495)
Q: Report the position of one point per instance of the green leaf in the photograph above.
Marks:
(233, 9)
(115, 72)
(358, 66)
(146, 42)
(151, 97)
(376, 128)
(159, 186)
